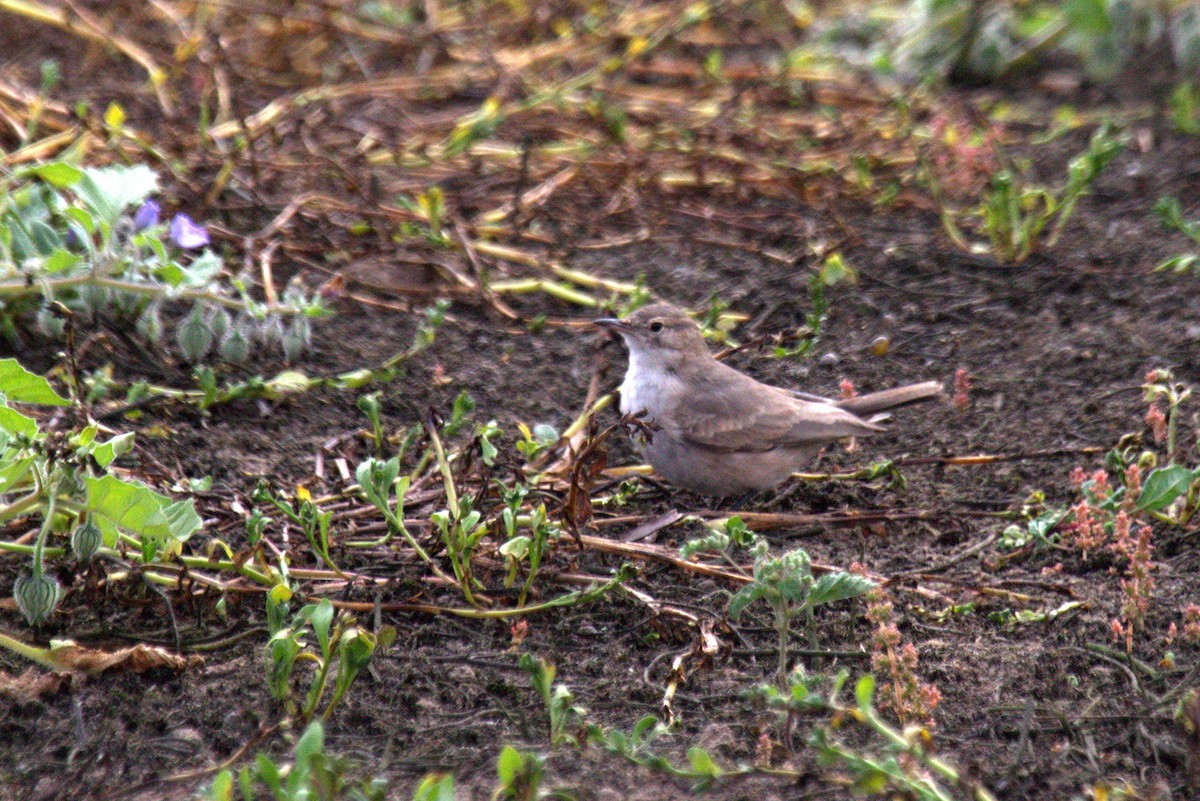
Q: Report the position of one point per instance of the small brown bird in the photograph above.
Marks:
(717, 431)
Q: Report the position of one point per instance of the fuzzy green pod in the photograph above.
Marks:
(86, 540)
(37, 596)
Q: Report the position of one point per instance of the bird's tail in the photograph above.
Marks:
(891, 398)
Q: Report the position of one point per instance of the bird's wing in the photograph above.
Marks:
(729, 411)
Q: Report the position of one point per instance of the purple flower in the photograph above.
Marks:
(186, 234)
(146, 216)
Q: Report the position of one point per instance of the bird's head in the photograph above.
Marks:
(660, 333)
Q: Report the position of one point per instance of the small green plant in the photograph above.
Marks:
(1185, 108)
(787, 584)
(312, 774)
(380, 481)
(731, 534)
(833, 270)
(435, 787)
(520, 775)
(535, 442)
(1161, 386)
(1171, 214)
(1037, 524)
(566, 719)
(92, 240)
(908, 766)
(527, 549)
(369, 405)
(973, 42)
(1015, 214)
(65, 478)
(462, 529)
(305, 513)
(702, 769)
(341, 644)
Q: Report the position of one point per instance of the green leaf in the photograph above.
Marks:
(1179, 264)
(13, 473)
(21, 386)
(111, 190)
(203, 269)
(508, 765)
(60, 260)
(16, 423)
(864, 691)
(322, 620)
(83, 217)
(128, 506)
(517, 547)
(269, 773)
(310, 744)
(435, 787)
(280, 593)
(288, 382)
(221, 788)
(48, 240)
(183, 519)
(118, 446)
(838, 587)
(644, 728)
(1163, 486)
(702, 764)
(58, 174)
(193, 336)
(744, 597)
(171, 274)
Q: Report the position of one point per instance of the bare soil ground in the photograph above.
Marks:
(1057, 348)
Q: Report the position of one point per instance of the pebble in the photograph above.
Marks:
(829, 359)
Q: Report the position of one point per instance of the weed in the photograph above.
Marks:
(1038, 523)
(525, 548)
(973, 42)
(302, 512)
(786, 582)
(1160, 385)
(435, 787)
(566, 718)
(896, 664)
(520, 775)
(340, 643)
(909, 767)
(1191, 623)
(788, 586)
(1137, 585)
(312, 774)
(833, 270)
(66, 479)
(1015, 214)
(1170, 213)
(1184, 104)
(92, 239)
(702, 769)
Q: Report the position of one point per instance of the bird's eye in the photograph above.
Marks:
(656, 326)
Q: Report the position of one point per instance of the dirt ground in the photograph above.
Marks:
(1056, 348)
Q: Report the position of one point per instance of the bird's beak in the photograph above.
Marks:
(612, 324)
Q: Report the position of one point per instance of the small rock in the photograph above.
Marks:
(829, 359)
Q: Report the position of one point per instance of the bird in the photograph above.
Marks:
(716, 431)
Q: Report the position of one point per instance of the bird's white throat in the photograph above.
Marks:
(650, 379)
